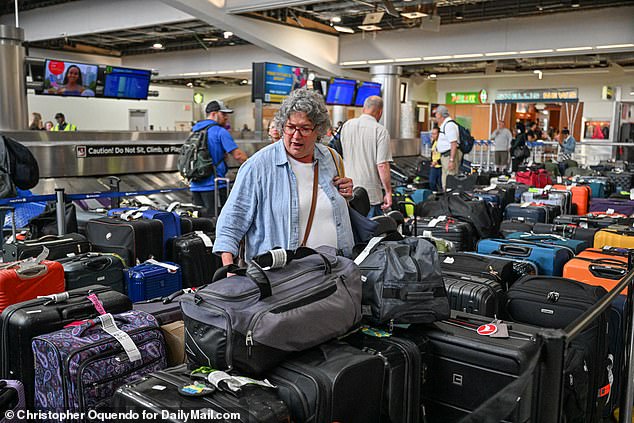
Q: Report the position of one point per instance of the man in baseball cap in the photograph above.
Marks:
(219, 143)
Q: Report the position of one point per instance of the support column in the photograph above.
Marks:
(13, 105)
(339, 114)
(388, 76)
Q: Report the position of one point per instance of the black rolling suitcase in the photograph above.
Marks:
(543, 213)
(554, 302)
(135, 241)
(462, 234)
(464, 369)
(567, 231)
(94, 268)
(166, 310)
(193, 224)
(334, 382)
(58, 247)
(482, 295)
(401, 387)
(193, 252)
(498, 268)
(516, 225)
(601, 221)
(158, 395)
(21, 322)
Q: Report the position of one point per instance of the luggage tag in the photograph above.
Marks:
(502, 332)
(609, 211)
(206, 240)
(172, 206)
(171, 268)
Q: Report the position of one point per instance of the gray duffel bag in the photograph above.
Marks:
(402, 281)
(285, 301)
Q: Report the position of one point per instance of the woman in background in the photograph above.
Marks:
(36, 122)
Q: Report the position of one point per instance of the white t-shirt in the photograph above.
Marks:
(448, 133)
(502, 138)
(324, 229)
(365, 144)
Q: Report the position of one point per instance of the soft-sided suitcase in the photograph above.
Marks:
(498, 268)
(11, 400)
(572, 231)
(615, 236)
(94, 269)
(616, 340)
(153, 279)
(21, 283)
(581, 195)
(135, 241)
(612, 205)
(553, 302)
(193, 253)
(550, 259)
(158, 395)
(464, 369)
(334, 382)
(575, 245)
(255, 319)
(171, 221)
(58, 247)
(521, 267)
(482, 295)
(461, 234)
(22, 322)
(501, 195)
(592, 220)
(79, 368)
(401, 385)
(461, 183)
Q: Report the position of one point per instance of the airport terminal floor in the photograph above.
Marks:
(282, 211)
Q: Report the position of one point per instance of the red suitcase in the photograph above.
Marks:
(19, 284)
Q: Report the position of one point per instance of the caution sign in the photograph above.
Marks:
(109, 150)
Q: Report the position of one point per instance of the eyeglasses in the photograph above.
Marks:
(304, 131)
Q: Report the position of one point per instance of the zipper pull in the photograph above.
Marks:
(249, 343)
(391, 326)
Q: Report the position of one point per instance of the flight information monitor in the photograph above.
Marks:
(341, 92)
(126, 83)
(365, 90)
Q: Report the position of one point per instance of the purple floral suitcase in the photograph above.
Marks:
(78, 368)
(11, 400)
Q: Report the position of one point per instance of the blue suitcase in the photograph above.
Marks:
(532, 213)
(171, 221)
(575, 245)
(550, 259)
(153, 279)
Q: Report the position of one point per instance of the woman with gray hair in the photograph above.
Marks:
(289, 194)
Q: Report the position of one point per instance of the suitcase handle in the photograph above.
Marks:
(31, 271)
(99, 263)
(221, 273)
(607, 272)
(80, 331)
(516, 250)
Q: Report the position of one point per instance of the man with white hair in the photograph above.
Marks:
(367, 155)
(447, 146)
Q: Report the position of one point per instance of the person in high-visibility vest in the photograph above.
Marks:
(62, 125)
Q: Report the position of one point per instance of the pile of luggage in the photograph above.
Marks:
(431, 320)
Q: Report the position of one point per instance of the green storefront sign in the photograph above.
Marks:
(466, 97)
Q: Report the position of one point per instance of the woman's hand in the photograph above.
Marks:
(344, 185)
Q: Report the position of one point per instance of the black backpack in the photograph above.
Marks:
(194, 159)
(23, 166)
(465, 139)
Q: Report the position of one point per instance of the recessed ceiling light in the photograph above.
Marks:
(157, 46)
(573, 48)
(335, 19)
(373, 18)
(413, 15)
(227, 34)
(344, 29)
(369, 27)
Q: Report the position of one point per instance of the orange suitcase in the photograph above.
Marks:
(581, 195)
(596, 267)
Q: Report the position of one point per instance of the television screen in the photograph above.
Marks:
(280, 80)
(126, 83)
(366, 89)
(69, 78)
(341, 92)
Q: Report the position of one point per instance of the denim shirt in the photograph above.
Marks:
(569, 145)
(264, 204)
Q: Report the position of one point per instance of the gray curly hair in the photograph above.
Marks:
(307, 101)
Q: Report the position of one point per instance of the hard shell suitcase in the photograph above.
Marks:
(461, 234)
(521, 267)
(21, 322)
(94, 269)
(321, 384)
(193, 224)
(58, 247)
(463, 369)
(543, 213)
(79, 368)
(581, 195)
(153, 279)
(612, 205)
(158, 394)
(21, 283)
(171, 221)
(615, 236)
(621, 180)
(563, 199)
(595, 268)
(516, 225)
(193, 253)
(501, 269)
(553, 302)
(135, 241)
(575, 245)
(11, 400)
(475, 294)
(401, 384)
(550, 259)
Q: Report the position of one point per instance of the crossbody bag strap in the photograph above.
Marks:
(313, 204)
(341, 171)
